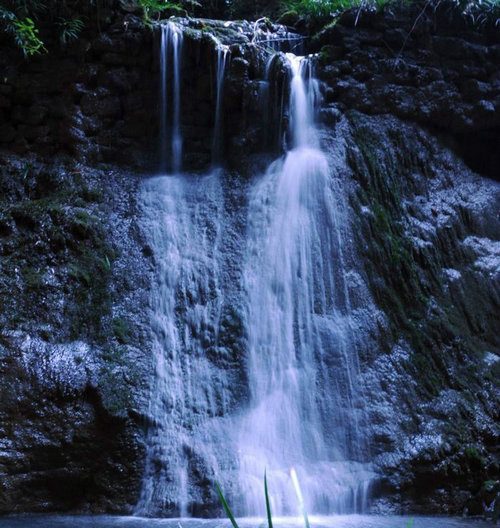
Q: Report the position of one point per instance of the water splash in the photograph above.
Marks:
(182, 218)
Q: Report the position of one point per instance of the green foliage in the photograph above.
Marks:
(231, 516)
(19, 18)
(316, 9)
(226, 508)
(23, 30)
(153, 8)
(69, 29)
(121, 329)
(26, 36)
(268, 505)
(91, 274)
(314, 12)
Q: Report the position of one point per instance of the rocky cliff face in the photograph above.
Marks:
(430, 245)
(73, 337)
(411, 108)
(421, 93)
(74, 341)
(92, 99)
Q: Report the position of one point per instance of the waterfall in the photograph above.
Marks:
(222, 54)
(170, 52)
(296, 408)
(182, 215)
(180, 219)
(298, 320)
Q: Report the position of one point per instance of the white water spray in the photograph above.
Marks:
(301, 365)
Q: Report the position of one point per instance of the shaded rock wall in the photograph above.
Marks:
(74, 345)
(428, 230)
(424, 65)
(429, 234)
(93, 99)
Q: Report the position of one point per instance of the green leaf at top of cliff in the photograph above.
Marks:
(21, 20)
(150, 8)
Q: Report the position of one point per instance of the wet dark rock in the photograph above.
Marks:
(7, 133)
(239, 67)
(67, 394)
(101, 103)
(440, 281)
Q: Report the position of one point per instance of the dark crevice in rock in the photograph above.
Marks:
(480, 151)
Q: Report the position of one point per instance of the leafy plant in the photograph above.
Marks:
(313, 10)
(231, 516)
(26, 36)
(69, 29)
(20, 19)
(152, 8)
(479, 12)
(226, 507)
(23, 30)
(268, 506)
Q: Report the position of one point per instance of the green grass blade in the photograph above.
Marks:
(226, 507)
(306, 517)
(268, 506)
(410, 524)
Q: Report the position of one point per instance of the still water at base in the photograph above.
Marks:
(338, 521)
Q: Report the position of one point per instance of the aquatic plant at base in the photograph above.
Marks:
(268, 507)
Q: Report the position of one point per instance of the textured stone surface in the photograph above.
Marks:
(74, 358)
(429, 230)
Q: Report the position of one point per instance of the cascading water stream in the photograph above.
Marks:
(170, 52)
(297, 317)
(301, 364)
(222, 55)
(183, 230)
(182, 214)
